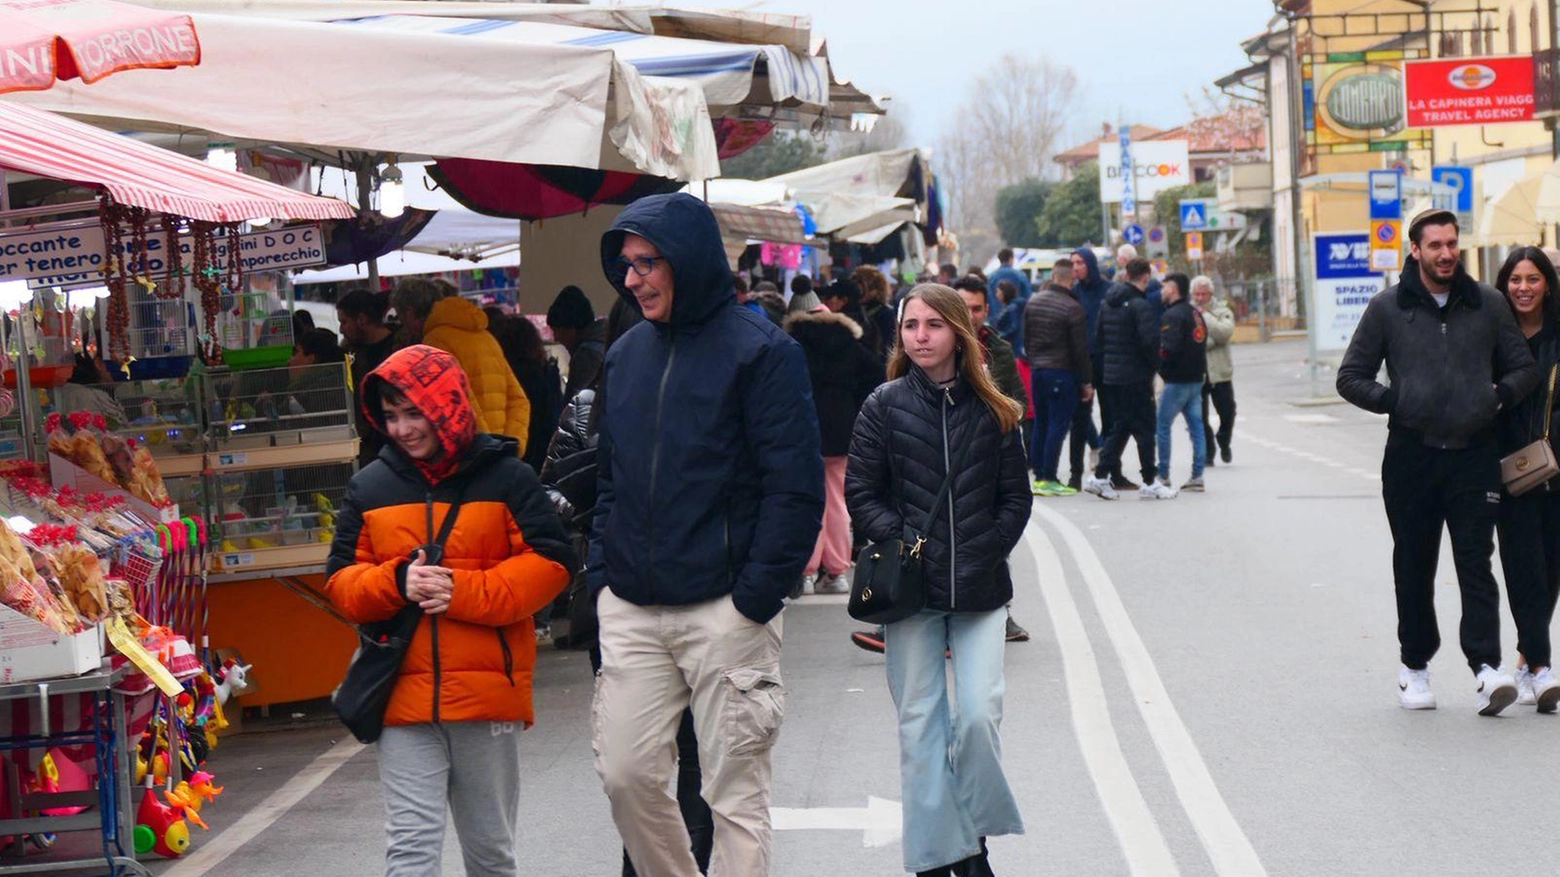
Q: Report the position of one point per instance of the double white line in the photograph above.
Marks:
(1136, 829)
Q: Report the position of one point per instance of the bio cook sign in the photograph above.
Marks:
(1157, 165)
(1469, 91)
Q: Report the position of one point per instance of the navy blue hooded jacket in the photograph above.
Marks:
(711, 476)
(1091, 294)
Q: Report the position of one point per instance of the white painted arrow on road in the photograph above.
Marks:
(881, 822)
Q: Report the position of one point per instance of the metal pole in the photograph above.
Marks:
(26, 402)
(1302, 293)
(365, 187)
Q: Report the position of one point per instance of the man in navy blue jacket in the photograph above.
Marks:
(710, 502)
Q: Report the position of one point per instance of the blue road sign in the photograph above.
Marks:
(1386, 195)
(1459, 178)
(1133, 234)
(1194, 214)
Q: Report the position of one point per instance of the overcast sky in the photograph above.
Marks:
(1136, 59)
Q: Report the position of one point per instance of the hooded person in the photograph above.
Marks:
(1089, 286)
(450, 736)
(459, 327)
(709, 505)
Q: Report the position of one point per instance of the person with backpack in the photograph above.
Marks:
(448, 520)
(941, 428)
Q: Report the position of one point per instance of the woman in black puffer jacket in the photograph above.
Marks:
(940, 410)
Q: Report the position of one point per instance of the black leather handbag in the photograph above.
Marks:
(362, 697)
(889, 584)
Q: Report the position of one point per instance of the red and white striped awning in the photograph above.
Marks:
(45, 40)
(139, 174)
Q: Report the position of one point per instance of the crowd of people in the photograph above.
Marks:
(718, 448)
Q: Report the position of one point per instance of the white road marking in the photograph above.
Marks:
(1227, 845)
(208, 856)
(1310, 418)
(881, 822)
(1136, 830)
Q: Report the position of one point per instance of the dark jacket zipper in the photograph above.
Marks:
(509, 657)
(655, 465)
(433, 621)
(953, 542)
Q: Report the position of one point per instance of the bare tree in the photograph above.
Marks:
(1007, 131)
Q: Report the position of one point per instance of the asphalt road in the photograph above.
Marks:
(1209, 690)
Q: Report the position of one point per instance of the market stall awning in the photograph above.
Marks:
(42, 41)
(134, 173)
(403, 263)
(759, 224)
(413, 94)
(1548, 206)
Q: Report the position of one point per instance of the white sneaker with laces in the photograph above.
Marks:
(1414, 690)
(1158, 490)
(1497, 691)
(1544, 688)
(1524, 679)
(1100, 487)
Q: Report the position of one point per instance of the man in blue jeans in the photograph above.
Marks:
(1056, 341)
(1183, 355)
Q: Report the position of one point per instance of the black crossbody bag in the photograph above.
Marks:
(363, 696)
(889, 584)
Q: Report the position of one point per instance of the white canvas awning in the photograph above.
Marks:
(406, 262)
(1512, 217)
(332, 86)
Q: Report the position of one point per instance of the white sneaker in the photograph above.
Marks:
(1544, 688)
(1524, 679)
(1497, 691)
(1414, 690)
(1100, 487)
(1157, 490)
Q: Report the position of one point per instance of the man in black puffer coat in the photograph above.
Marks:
(1129, 343)
(1455, 357)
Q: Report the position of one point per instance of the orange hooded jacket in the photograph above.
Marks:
(507, 549)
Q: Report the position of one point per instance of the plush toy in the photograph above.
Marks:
(235, 680)
(160, 828)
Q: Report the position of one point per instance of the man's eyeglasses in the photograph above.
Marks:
(642, 265)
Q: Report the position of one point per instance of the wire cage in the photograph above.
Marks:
(163, 414)
(254, 329)
(293, 507)
(138, 562)
(159, 327)
(307, 405)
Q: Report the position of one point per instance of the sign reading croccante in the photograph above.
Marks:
(62, 256)
(1469, 91)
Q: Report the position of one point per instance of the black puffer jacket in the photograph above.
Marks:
(908, 432)
(569, 472)
(1128, 337)
(1451, 368)
(843, 373)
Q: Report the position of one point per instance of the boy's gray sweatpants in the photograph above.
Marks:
(475, 767)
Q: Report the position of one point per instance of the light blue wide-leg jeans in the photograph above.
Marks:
(950, 749)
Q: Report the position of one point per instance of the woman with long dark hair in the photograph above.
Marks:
(537, 374)
(940, 412)
(1529, 525)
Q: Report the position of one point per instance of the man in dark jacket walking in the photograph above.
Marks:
(1454, 357)
(1056, 338)
(1183, 354)
(1090, 287)
(1000, 359)
(1128, 341)
(710, 499)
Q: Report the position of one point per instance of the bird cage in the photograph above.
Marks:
(159, 327)
(255, 330)
(278, 517)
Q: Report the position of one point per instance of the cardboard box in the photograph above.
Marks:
(30, 650)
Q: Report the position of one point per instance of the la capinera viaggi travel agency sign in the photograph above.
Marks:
(1469, 91)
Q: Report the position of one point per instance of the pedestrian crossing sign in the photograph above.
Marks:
(1194, 214)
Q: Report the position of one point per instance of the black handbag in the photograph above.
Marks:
(888, 585)
(364, 694)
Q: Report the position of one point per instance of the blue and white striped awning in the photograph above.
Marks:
(726, 71)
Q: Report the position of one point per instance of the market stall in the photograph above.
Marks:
(125, 491)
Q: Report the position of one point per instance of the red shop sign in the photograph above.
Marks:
(1468, 91)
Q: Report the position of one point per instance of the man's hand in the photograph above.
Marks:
(1086, 394)
(429, 586)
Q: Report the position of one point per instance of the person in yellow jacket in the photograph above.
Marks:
(459, 327)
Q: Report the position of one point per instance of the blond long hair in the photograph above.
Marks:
(972, 364)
